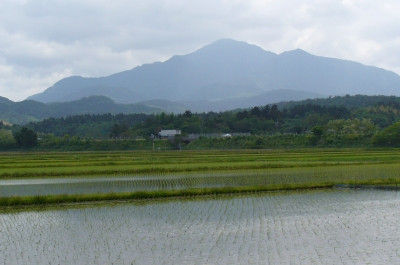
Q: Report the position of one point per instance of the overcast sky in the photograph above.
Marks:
(42, 41)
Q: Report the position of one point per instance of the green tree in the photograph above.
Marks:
(389, 136)
(6, 139)
(316, 134)
(25, 138)
(118, 130)
(317, 131)
(358, 127)
(187, 114)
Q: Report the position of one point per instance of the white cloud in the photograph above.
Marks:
(42, 41)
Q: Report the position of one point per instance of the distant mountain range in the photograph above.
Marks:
(223, 75)
(269, 97)
(227, 74)
(29, 110)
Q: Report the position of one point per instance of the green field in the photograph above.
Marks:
(201, 172)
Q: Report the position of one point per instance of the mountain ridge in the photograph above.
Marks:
(228, 69)
(30, 110)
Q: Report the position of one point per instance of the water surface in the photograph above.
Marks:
(88, 185)
(320, 227)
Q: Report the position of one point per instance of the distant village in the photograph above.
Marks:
(174, 133)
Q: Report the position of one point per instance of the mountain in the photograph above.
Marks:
(168, 106)
(29, 110)
(229, 70)
(349, 102)
(269, 97)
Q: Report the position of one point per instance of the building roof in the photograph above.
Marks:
(169, 132)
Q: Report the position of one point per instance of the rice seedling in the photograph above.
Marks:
(316, 227)
(42, 178)
(35, 165)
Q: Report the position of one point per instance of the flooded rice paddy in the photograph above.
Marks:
(318, 227)
(95, 185)
(115, 184)
(310, 176)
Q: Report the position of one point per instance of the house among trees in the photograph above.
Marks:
(169, 133)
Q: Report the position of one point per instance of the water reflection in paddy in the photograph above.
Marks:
(320, 227)
(87, 185)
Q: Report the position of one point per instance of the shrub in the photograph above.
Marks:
(389, 136)
(25, 138)
(6, 139)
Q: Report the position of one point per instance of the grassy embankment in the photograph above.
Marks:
(280, 169)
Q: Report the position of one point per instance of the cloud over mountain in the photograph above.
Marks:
(43, 41)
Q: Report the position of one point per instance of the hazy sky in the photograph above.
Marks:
(42, 41)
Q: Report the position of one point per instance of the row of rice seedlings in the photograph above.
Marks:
(296, 228)
(140, 195)
(161, 164)
(381, 174)
(285, 183)
(150, 161)
(158, 168)
(311, 154)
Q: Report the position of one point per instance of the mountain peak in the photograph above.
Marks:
(4, 100)
(229, 46)
(227, 41)
(227, 69)
(298, 52)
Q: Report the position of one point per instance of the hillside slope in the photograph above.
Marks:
(29, 110)
(229, 70)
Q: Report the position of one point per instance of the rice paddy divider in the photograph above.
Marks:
(142, 195)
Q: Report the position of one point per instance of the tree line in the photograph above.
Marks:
(326, 124)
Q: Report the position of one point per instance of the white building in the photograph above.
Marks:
(169, 133)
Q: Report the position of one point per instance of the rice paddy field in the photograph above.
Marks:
(201, 207)
(28, 165)
(313, 227)
(37, 178)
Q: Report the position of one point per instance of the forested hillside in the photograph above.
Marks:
(29, 110)
(88, 125)
(351, 102)
(338, 121)
(293, 117)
